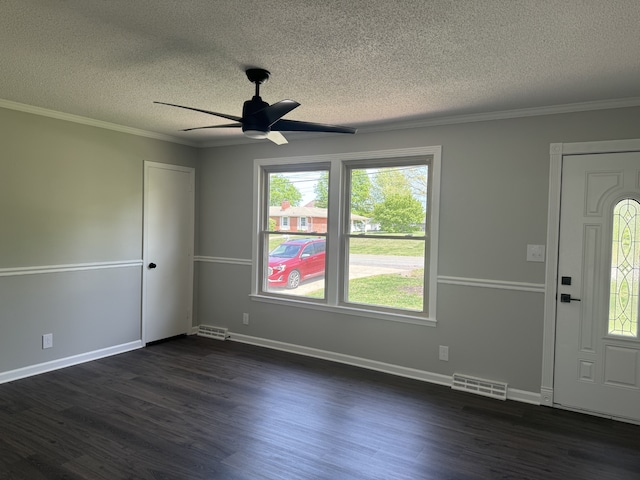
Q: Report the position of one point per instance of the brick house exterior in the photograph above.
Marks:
(308, 218)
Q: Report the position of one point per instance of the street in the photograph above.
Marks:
(365, 266)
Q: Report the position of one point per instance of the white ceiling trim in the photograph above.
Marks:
(44, 112)
(507, 114)
(432, 122)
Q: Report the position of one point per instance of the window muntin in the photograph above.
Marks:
(625, 269)
(336, 227)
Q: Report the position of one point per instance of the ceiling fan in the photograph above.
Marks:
(261, 120)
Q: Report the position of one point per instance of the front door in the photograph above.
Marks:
(597, 351)
(168, 250)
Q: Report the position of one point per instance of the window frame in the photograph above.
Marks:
(335, 273)
(347, 234)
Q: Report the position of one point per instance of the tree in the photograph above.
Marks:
(281, 189)
(390, 181)
(417, 177)
(399, 213)
(321, 189)
(361, 201)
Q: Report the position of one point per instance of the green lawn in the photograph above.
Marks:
(371, 246)
(392, 290)
(387, 246)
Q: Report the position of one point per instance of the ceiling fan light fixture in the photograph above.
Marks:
(256, 134)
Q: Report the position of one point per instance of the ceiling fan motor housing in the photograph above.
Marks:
(252, 120)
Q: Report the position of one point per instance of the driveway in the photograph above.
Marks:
(367, 266)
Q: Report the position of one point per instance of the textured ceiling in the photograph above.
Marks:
(357, 63)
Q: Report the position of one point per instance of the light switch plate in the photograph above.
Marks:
(443, 353)
(535, 253)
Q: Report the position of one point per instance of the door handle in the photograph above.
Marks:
(152, 265)
(566, 298)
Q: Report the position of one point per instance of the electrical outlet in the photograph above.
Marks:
(245, 319)
(47, 340)
(444, 353)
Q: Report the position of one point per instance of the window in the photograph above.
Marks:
(385, 241)
(372, 247)
(625, 269)
(293, 262)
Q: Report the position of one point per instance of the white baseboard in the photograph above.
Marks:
(523, 396)
(67, 362)
(446, 380)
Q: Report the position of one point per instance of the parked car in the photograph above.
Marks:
(296, 260)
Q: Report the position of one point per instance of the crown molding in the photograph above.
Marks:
(45, 112)
(505, 114)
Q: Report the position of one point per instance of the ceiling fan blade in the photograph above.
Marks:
(297, 126)
(228, 125)
(223, 115)
(277, 138)
(278, 110)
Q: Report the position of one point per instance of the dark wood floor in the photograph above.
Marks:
(195, 408)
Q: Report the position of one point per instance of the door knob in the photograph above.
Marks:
(566, 298)
(152, 265)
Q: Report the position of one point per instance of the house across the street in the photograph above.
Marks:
(308, 218)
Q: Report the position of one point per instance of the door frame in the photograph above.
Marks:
(557, 153)
(145, 238)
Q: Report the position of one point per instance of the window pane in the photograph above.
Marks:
(391, 200)
(625, 269)
(298, 201)
(387, 202)
(296, 265)
(386, 272)
(293, 234)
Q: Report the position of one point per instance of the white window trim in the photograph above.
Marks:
(282, 223)
(333, 240)
(305, 227)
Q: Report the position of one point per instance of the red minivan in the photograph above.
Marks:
(296, 260)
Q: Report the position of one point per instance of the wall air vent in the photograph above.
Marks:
(208, 331)
(479, 386)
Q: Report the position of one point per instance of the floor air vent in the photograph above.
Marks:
(218, 333)
(479, 386)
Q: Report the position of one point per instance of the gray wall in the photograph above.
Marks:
(493, 203)
(70, 194)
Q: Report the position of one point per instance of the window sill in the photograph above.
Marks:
(346, 310)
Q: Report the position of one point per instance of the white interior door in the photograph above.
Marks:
(168, 250)
(597, 351)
